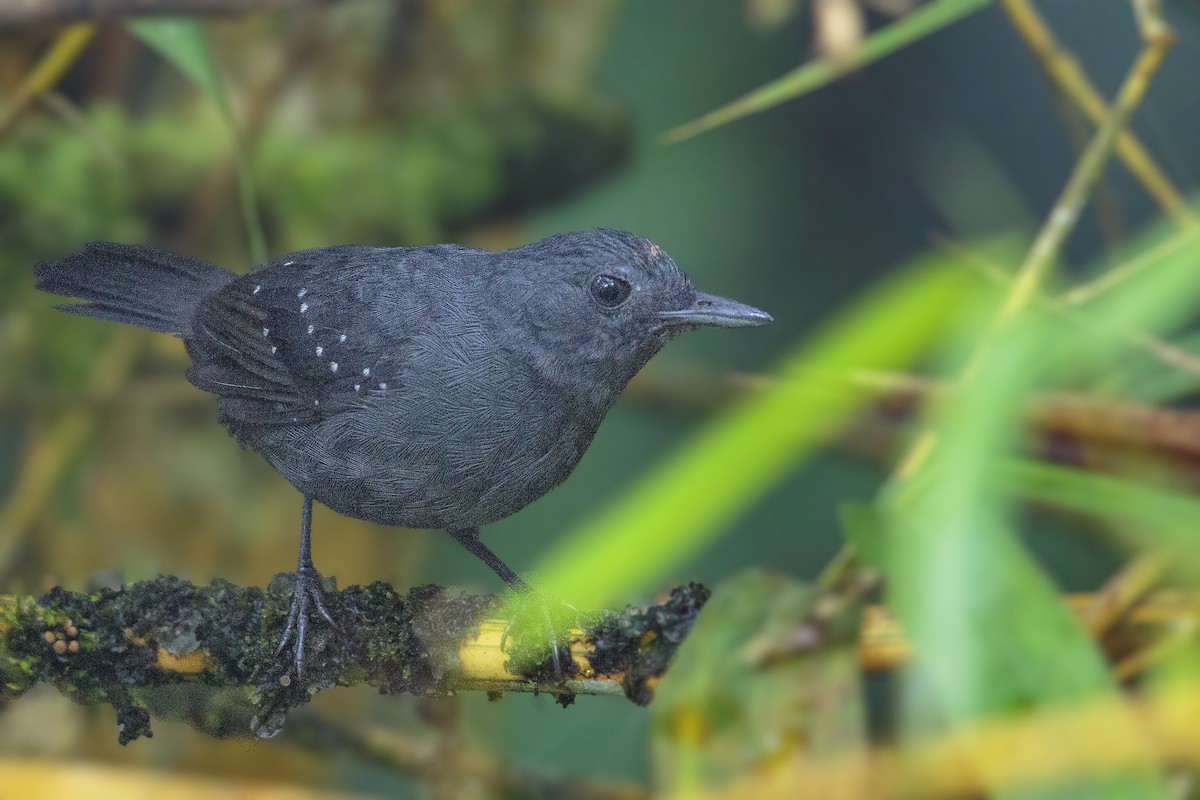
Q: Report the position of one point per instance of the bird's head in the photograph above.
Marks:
(601, 303)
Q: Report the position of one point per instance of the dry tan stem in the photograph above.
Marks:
(1069, 77)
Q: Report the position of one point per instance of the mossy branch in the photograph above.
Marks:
(431, 642)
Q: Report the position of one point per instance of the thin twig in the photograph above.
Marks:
(1059, 224)
(47, 72)
(1087, 172)
(1064, 70)
(883, 646)
(301, 47)
(1094, 420)
(1122, 592)
(1065, 305)
(1087, 292)
(69, 113)
(1168, 643)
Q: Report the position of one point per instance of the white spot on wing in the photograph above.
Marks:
(303, 307)
(333, 366)
(266, 331)
(300, 294)
(342, 338)
(320, 350)
(257, 289)
(383, 386)
(357, 386)
(366, 372)
(288, 263)
(311, 328)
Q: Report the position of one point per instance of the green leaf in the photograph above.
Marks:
(990, 632)
(864, 527)
(692, 497)
(913, 26)
(1156, 298)
(989, 629)
(181, 41)
(1144, 379)
(1147, 516)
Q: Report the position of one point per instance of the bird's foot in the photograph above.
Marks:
(552, 619)
(310, 592)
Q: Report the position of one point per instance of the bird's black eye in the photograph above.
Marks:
(609, 291)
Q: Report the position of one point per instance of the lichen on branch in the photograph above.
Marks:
(433, 642)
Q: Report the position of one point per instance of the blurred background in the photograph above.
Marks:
(494, 123)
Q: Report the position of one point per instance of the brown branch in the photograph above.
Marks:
(882, 645)
(22, 13)
(1103, 424)
(430, 642)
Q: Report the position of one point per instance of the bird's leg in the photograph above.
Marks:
(310, 589)
(469, 539)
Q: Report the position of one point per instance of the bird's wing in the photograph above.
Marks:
(287, 343)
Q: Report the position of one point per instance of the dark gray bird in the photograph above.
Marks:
(431, 387)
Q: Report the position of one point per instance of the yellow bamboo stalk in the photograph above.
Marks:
(48, 71)
(1065, 71)
(41, 779)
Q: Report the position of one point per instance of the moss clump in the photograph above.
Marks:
(640, 642)
(437, 620)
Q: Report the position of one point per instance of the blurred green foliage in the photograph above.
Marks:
(692, 496)
(417, 122)
(721, 713)
(442, 175)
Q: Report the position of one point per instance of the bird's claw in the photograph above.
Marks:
(310, 590)
(551, 631)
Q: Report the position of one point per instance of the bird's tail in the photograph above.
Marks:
(133, 284)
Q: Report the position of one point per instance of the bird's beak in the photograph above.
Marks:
(708, 309)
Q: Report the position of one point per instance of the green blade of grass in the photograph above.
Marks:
(670, 514)
(806, 78)
(988, 627)
(182, 42)
(1148, 516)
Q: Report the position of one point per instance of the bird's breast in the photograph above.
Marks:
(471, 437)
